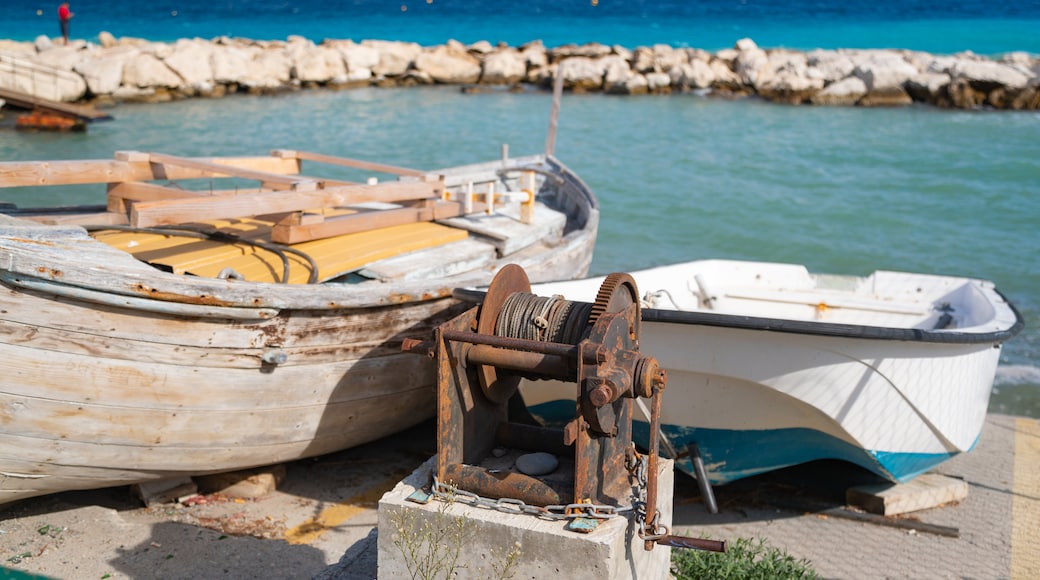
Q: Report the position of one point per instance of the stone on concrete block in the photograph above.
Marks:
(925, 491)
(482, 539)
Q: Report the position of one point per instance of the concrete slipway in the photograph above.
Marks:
(320, 523)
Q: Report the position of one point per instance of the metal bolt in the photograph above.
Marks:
(602, 393)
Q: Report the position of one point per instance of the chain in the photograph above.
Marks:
(447, 492)
(638, 464)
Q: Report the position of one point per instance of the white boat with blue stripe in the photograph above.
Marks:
(770, 366)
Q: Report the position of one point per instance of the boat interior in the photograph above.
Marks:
(263, 219)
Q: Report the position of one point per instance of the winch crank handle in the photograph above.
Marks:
(426, 348)
(651, 478)
(693, 543)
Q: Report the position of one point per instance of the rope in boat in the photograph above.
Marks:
(546, 319)
(279, 250)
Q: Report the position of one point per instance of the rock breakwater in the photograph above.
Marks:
(128, 69)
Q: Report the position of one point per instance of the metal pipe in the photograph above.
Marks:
(505, 485)
(547, 365)
(553, 348)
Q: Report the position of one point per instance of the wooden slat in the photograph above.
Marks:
(80, 219)
(273, 180)
(174, 211)
(119, 194)
(37, 173)
(346, 162)
(294, 233)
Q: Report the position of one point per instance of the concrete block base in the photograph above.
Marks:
(925, 491)
(477, 542)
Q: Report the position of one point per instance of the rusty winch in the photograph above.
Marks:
(483, 354)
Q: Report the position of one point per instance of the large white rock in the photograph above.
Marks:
(31, 78)
(145, 70)
(658, 82)
(881, 70)
(446, 64)
(989, 72)
(504, 66)
(106, 39)
(359, 59)
(845, 92)
(927, 84)
(270, 68)
(104, 72)
(751, 62)
(395, 58)
(60, 57)
(828, 65)
(319, 64)
(616, 71)
(624, 81)
(724, 75)
(535, 55)
(643, 60)
(230, 64)
(696, 74)
(192, 61)
(581, 73)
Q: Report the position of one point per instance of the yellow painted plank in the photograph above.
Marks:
(334, 256)
(1025, 506)
(350, 252)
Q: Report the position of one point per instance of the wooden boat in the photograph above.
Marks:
(770, 366)
(184, 329)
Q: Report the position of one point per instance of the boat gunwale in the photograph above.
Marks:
(65, 258)
(814, 328)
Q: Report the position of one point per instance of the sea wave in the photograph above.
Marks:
(1016, 375)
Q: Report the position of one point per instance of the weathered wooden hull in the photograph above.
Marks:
(112, 372)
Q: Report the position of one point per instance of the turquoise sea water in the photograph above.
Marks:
(682, 177)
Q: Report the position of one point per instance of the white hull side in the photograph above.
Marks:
(760, 383)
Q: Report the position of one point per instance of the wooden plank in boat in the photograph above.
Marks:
(271, 180)
(505, 230)
(127, 167)
(439, 262)
(345, 162)
(296, 228)
(120, 194)
(177, 211)
(94, 219)
(351, 252)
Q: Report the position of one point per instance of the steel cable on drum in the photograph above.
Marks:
(545, 319)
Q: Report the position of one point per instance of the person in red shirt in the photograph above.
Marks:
(64, 15)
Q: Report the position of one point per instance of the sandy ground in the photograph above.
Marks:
(320, 522)
(306, 528)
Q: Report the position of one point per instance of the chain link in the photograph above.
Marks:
(638, 464)
(447, 492)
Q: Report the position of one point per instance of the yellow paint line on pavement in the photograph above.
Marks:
(1025, 507)
(330, 517)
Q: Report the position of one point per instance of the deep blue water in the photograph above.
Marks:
(929, 25)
